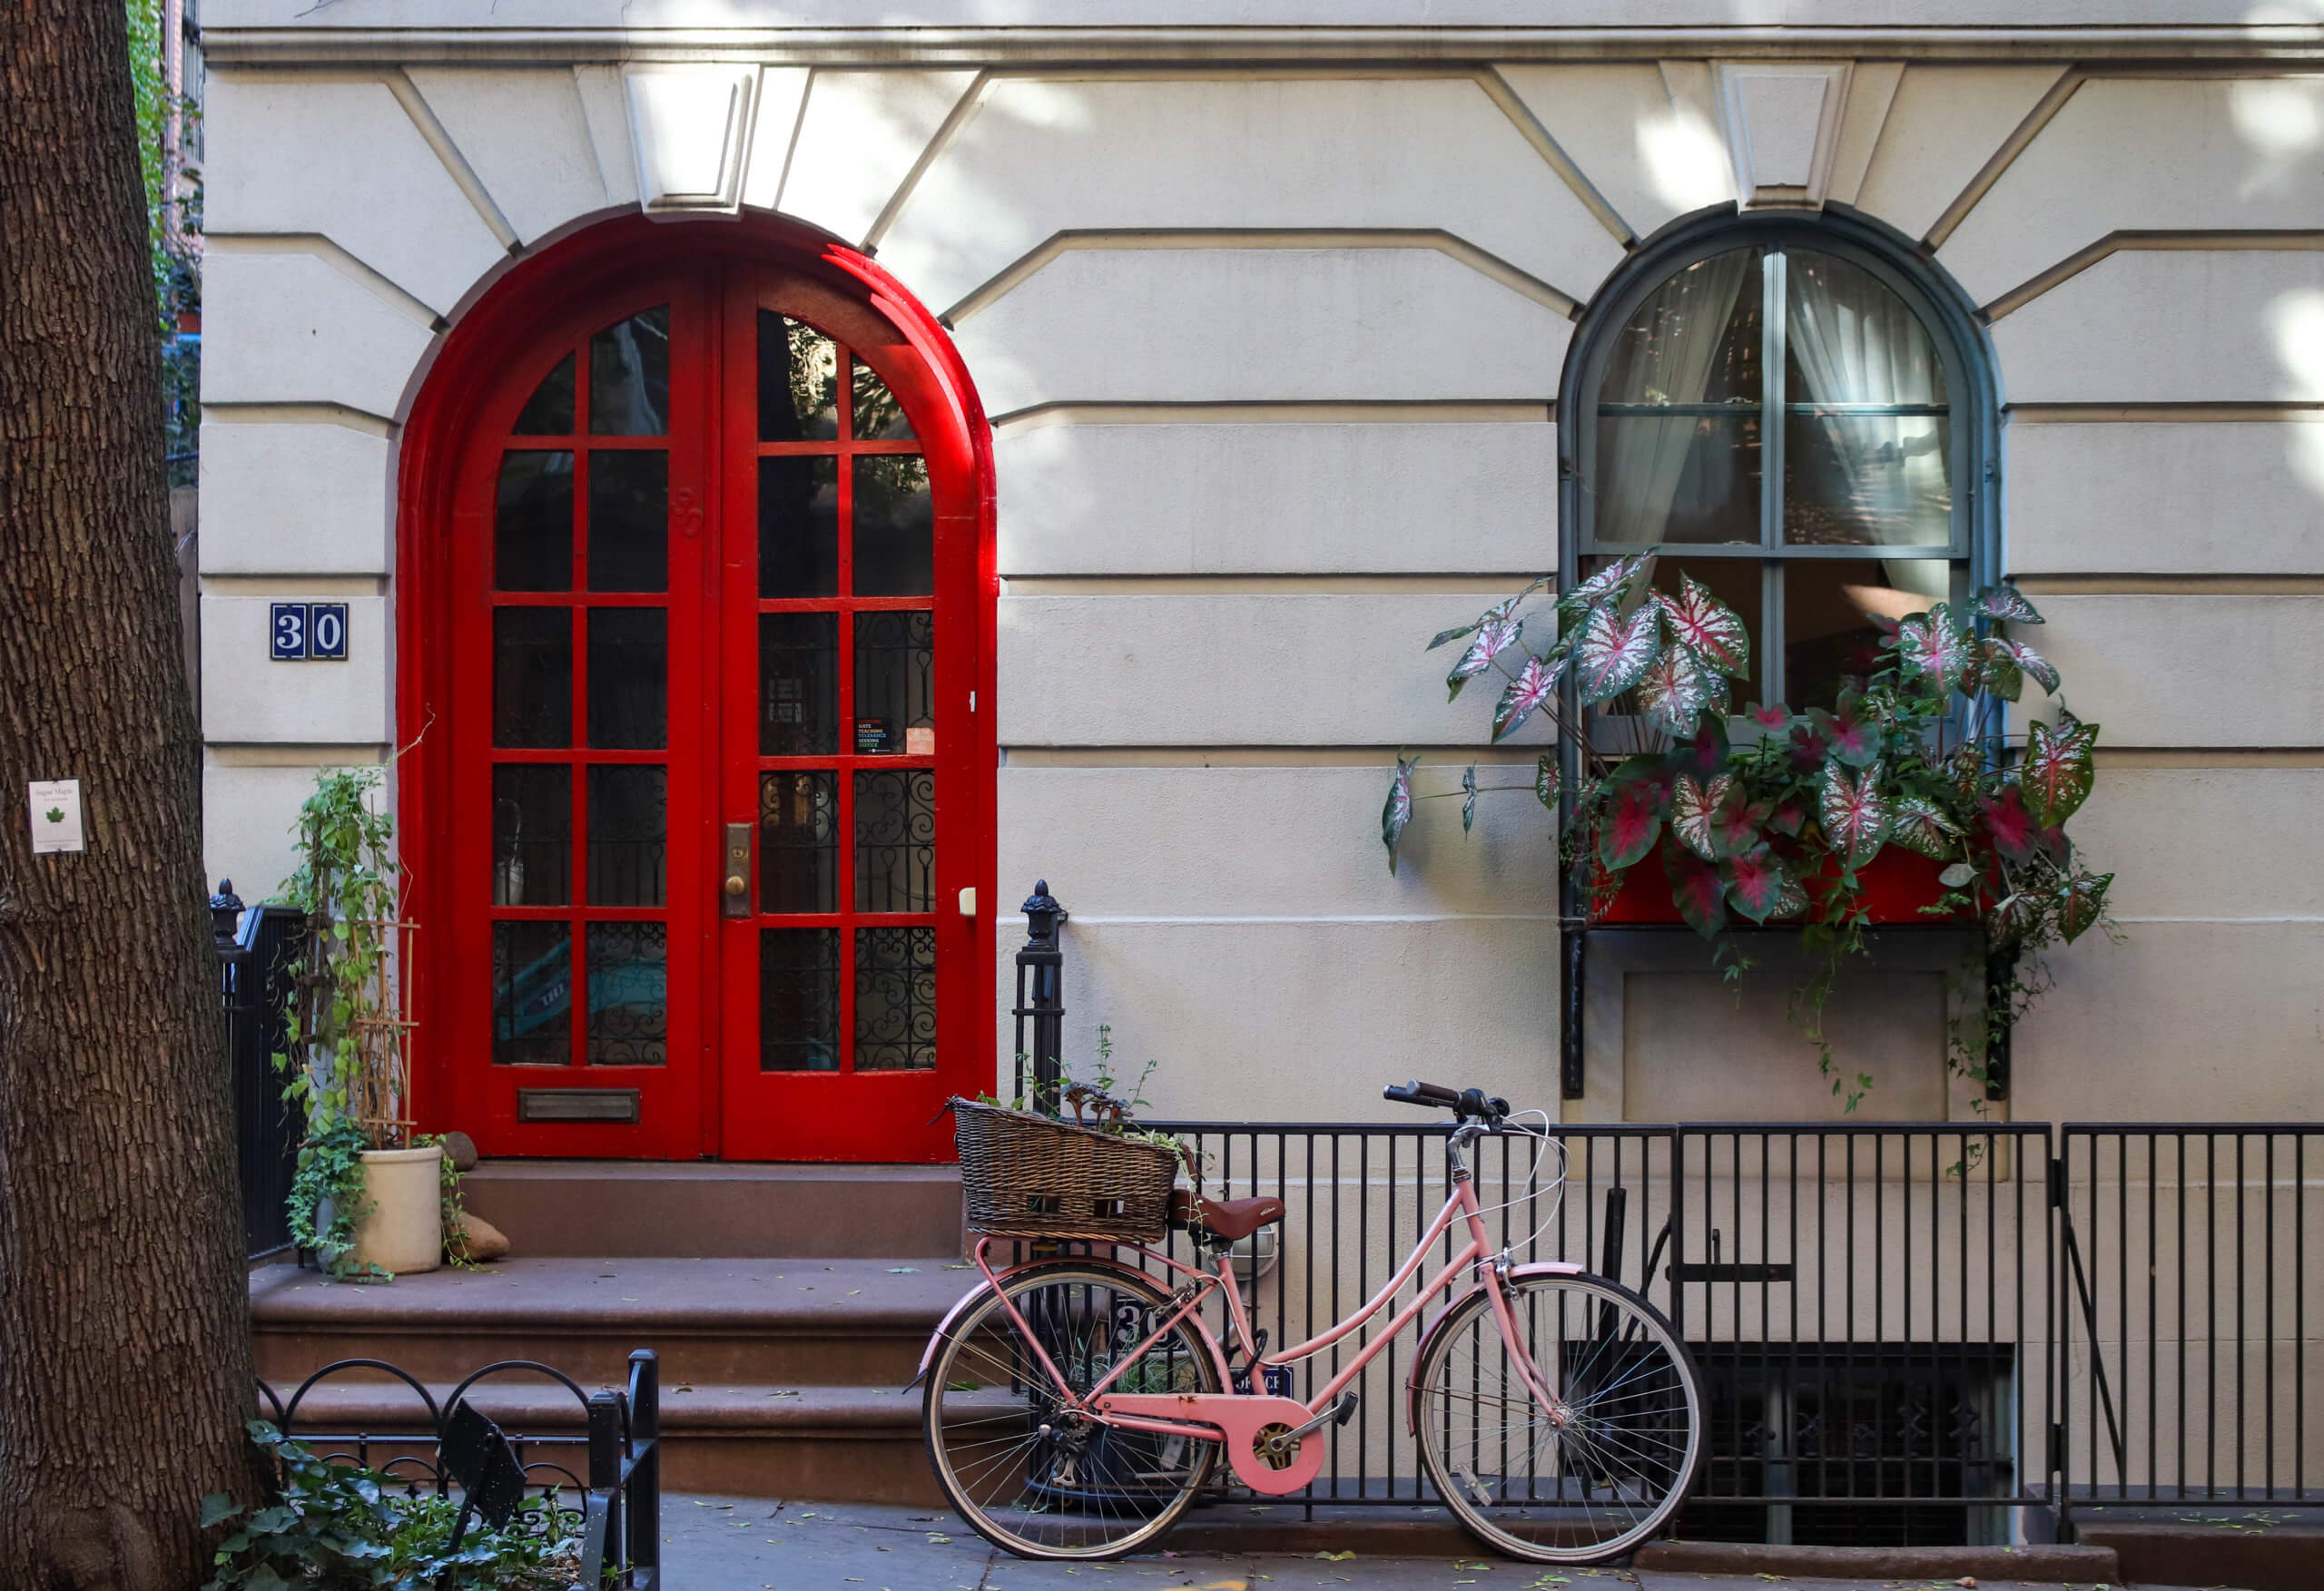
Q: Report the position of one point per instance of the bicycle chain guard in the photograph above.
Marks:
(1245, 1422)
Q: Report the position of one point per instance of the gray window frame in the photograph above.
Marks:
(1963, 350)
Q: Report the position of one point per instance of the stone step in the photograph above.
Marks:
(855, 1444)
(592, 1208)
(778, 1323)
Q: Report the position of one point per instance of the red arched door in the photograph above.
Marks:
(716, 793)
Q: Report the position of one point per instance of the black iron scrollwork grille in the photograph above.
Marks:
(629, 1018)
(895, 999)
(895, 840)
(799, 999)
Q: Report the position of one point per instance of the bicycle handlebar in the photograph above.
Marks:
(1467, 1104)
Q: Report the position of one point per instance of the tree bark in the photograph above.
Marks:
(124, 1341)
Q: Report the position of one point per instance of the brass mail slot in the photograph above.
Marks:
(576, 1104)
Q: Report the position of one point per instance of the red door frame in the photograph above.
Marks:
(532, 300)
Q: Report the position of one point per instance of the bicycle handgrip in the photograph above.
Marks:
(1432, 1095)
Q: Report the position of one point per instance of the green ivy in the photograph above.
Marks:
(329, 1177)
(339, 1528)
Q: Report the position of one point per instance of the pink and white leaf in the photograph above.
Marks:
(1535, 683)
(1697, 888)
(1707, 627)
(1931, 646)
(1919, 824)
(2015, 833)
(1497, 613)
(2056, 770)
(1613, 653)
(1854, 814)
(1674, 690)
(1771, 719)
(2006, 603)
(1761, 887)
(1738, 825)
(1610, 584)
(1398, 812)
(1692, 807)
(2034, 663)
(1999, 671)
(1545, 781)
(1854, 740)
(2013, 917)
(1493, 637)
(1632, 822)
(2081, 901)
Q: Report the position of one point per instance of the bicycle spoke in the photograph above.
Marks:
(1603, 1471)
(1033, 1476)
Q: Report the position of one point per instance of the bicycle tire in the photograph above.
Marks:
(1091, 1492)
(1636, 1427)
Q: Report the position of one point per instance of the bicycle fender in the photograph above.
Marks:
(984, 1289)
(1428, 1334)
(943, 1328)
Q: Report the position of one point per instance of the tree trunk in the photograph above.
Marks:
(125, 1342)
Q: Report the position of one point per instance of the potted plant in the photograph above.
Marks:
(1908, 799)
(366, 1197)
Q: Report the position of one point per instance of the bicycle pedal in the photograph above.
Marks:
(1347, 1409)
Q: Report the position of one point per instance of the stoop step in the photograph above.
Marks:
(780, 1376)
(591, 1208)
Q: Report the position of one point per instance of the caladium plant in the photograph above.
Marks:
(1774, 815)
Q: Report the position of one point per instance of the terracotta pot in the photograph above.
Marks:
(404, 1231)
(1896, 884)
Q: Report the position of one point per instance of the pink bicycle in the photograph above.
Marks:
(1075, 1406)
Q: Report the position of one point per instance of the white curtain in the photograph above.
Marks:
(1853, 340)
(1686, 324)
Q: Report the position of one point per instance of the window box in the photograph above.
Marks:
(1897, 883)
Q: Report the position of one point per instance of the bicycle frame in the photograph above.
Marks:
(1240, 1418)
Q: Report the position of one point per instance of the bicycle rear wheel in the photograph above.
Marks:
(1032, 1479)
(1595, 1478)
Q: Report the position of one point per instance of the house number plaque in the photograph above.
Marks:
(307, 632)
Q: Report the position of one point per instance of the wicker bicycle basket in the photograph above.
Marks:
(1025, 1176)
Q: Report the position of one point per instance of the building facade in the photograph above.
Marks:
(784, 483)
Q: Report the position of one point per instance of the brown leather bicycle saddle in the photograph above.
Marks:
(1232, 1219)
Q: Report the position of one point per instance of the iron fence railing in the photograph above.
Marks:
(1909, 1333)
(2189, 1306)
(1869, 1304)
(604, 1459)
(254, 949)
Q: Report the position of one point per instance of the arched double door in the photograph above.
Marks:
(706, 835)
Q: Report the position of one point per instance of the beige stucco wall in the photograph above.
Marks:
(1271, 350)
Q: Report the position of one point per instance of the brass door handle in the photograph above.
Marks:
(736, 900)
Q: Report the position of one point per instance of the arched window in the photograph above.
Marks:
(1801, 418)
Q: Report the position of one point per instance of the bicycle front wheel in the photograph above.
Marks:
(1028, 1476)
(1597, 1473)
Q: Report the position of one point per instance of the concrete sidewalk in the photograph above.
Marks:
(750, 1543)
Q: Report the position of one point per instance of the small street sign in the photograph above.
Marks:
(56, 816)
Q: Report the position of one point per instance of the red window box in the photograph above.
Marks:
(1896, 884)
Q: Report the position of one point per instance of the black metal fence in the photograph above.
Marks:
(253, 949)
(2189, 1306)
(1925, 1333)
(604, 1459)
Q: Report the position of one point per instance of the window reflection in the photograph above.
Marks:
(629, 376)
(895, 546)
(798, 381)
